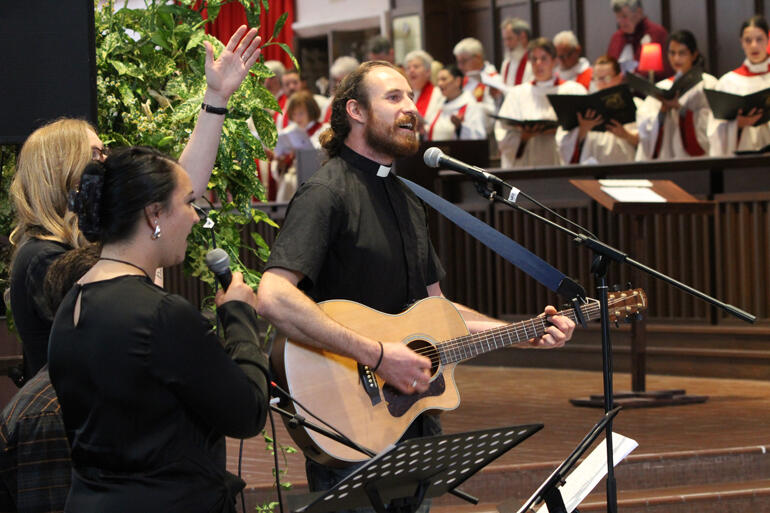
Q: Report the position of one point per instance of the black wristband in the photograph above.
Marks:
(214, 110)
(379, 361)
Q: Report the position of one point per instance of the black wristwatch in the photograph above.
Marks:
(214, 110)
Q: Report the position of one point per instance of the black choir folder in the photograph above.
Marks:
(545, 124)
(680, 86)
(612, 103)
(726, 105)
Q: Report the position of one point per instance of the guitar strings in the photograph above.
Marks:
(467, 341)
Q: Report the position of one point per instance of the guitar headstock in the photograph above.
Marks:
(625, 303)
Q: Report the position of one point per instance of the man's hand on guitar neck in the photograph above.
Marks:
(559, 332)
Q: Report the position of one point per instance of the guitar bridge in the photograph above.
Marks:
(369, 382)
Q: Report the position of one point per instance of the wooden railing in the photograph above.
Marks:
(726, 254)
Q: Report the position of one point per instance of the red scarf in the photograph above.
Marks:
(744, 70)
(521, 68)
(424, 99)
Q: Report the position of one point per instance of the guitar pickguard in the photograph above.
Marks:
(399, 404)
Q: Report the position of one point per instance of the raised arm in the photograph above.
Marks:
(223, 77)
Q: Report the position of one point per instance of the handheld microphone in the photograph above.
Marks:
(218, 262)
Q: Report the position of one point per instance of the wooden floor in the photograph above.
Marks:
(735, 418)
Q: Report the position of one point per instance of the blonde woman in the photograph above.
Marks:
(50, 164)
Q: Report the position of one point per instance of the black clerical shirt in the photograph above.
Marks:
(358, 236)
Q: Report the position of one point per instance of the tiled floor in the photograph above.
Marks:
(737, 414)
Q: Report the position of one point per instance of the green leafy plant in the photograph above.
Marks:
(150, 84)
(7, 167)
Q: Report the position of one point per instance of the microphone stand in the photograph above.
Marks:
(604, 254)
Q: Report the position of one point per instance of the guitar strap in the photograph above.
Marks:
(504, 246)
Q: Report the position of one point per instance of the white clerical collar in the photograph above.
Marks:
(364, 163)
(760, 67)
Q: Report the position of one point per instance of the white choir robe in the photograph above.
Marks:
(724, 135)
(510, 67)
(473, 85)
(581, 72)
(473, 124)
(598, 147)
(695, 114)
(429, 105)
(528, 102)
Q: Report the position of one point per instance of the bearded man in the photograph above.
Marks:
(354, 231)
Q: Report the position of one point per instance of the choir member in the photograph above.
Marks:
(617, 144)
(469, 54)
(304, 114)
(725, 137)
(515, 68)
(571, 65)
(427, 97)
(634, 30)
(460, 116)
(533, 146)
(677, 128)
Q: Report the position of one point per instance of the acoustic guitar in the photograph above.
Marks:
(348, 396)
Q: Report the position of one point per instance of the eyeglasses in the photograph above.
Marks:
(99, 153)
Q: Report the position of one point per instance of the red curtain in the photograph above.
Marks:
(232, 15)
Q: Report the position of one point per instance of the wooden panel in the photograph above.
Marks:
(600, 24)
(554, 16)
(476, 21)
(728, 21)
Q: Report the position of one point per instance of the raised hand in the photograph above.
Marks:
(225, 74)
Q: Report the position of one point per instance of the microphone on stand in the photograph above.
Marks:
(218, 262)
(434, 157)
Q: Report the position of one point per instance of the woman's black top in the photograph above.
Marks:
(31, 313)
(147, 393)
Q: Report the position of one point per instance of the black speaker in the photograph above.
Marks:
(47, 64)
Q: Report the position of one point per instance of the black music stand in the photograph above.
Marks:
(549, 492)
(398, 479)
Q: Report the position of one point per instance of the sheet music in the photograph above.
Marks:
(615, 182)
(587, 475)
(292, 139)
(634, 194)
(495, 82)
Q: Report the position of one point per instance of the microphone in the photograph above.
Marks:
(218, 261)
(434, 157)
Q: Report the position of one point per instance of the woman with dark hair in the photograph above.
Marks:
(146, 388)
(677, 128)
(742, 133)
(459, 115)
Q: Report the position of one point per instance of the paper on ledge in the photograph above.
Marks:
(634, 194)
(587, 475)
(621, 182)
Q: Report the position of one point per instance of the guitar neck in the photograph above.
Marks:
(469, 346)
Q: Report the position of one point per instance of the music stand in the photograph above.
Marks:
(399, 478)
(549, 492)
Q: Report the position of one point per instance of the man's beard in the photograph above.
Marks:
(389, 140)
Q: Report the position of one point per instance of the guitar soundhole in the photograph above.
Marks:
(425, 348)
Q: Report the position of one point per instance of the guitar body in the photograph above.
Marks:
(330, 385)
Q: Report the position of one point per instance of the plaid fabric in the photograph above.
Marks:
(34, 452)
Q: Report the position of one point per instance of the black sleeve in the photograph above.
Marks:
(313, 221)
(35, 280)
(227, 388)
(435, 271)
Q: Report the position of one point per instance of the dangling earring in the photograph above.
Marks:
(156, 234)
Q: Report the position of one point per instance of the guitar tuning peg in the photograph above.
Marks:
(616, 288)
(617, 324)
(629, 286)
(639, 316)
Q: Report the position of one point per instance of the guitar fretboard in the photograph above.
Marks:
(469, 346)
